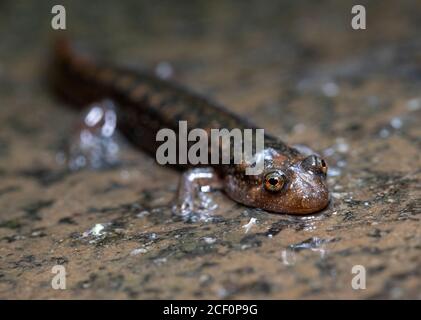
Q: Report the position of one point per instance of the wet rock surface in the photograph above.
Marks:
(299, 71)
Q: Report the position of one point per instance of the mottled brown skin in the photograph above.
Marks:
(304, 190)
(147, 104)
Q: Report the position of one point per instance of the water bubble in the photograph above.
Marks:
(197, 205)
(152, 236)
(396, 123)
(97, 144)
(94, 116)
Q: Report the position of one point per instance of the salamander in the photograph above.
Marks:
(292, 182)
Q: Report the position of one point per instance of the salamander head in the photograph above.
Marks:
(294, 185)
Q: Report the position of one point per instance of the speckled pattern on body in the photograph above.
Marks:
(296, 69)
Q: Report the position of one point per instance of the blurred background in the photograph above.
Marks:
(297, 69)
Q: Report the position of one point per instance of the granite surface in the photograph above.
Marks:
(297, 69)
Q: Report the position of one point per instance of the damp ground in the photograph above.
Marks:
(299, 71)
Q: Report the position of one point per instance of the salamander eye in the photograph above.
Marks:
(323, 166)
(274, 181)
(315, 164)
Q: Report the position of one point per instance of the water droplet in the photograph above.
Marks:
(249, 225)
(396, 123)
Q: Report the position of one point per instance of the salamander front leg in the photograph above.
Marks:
(193, 201)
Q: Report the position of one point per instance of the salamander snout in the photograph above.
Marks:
(297, 188)
(308, 190)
